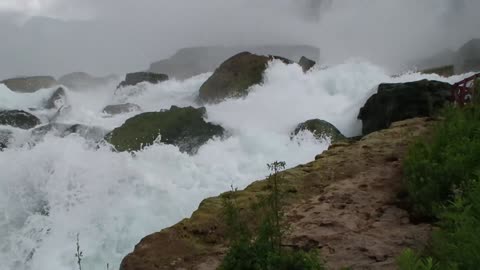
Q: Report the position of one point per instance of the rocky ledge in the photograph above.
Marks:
(347, 204)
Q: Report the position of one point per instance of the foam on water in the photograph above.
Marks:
(62, 187)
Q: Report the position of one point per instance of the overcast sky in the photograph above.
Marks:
(115, 36)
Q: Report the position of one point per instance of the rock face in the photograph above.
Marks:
(138, 77)
(192, 61)
(235, 76)
(306, 63)
(82, 80)
(183, 127)
(469, 56)
(19, 119)
(57, 100)
(121, 108)
(343, 204)
(400, 101)
(321, 129)
(30, 84)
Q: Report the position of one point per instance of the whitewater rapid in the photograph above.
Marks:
(57, 188)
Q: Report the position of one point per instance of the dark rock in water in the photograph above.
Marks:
(400, 101)
(5, 136)
(320, 129)
(30, 84)
(235, 76)
(57, 100)
(121, 108)
(19, 119)
(468, 57)
(192, 61)
(306, 63)
(82, 80)
(138, 77)
(183, 127)
(62, 130)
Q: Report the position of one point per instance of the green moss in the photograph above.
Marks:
(321, 130)
(234, 77)
(183, 127)
(19, 119)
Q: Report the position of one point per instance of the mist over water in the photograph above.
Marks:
(60, 187)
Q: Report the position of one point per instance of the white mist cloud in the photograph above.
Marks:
(126, 35)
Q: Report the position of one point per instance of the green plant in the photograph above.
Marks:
(260, 247)
(435, 168)
(409, 260)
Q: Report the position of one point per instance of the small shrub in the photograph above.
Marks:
(261, 248)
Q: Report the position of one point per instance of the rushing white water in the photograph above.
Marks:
(62, 187)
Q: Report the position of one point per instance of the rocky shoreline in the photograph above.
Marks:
(347, 203)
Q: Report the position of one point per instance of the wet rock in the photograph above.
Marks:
(183, 127)
(306, 63)
(57, 100)
(30, 84)
(235, 76)
(121, 108)
(62, 130)
(18, 119)
(322, 130)
(138, 77)
(399, 101)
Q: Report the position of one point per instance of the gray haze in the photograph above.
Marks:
(114, 36)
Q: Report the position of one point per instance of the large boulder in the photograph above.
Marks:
(19, 119)
(57, 100)
(188, 62)
(121, 108)
(321, 129)
(235, 76)
(30, 84)
(183, 127)
(306, 63)
(82, 80)
(138, 77)
(399, 101)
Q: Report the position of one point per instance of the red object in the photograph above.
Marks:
(463, 91)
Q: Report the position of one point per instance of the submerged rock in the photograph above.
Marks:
(62, 130)
(235, 76)
(400, 101)
(183, 127)
(57, 100)
(138, 77)
(321, 129)
(30, 84)
(5, 137)
(18, 119)
(306, 63)
(121, 108)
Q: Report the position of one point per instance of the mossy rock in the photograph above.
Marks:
(138, 77)
(183, 127)
(321, 129)
(19, 119)
(30, 84)
(235, 76)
